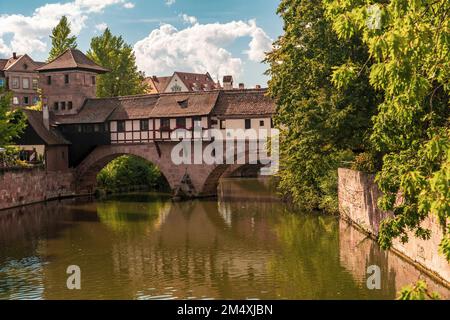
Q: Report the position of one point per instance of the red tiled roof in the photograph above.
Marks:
(250, 102)
(134, 107)
(3, 63)
(197, 81)
(223, 104)
(185, 104)
(72, 59)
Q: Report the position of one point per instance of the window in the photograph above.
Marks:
(144, 125)
(120, 126)
(181, 122)
(35, 99)
(261, 123)
(26, 100)
(62, 105)
(15, 84)
(56, 106)
(165, 124)
(26, 83)
(88, 128)
(2, 82)
(222, 124)
(15, 100)
(248, 124)
(49, 80)
(197, 122)
(214, 122)
(35, 84)
(69, 105)
(93, 80)
(66, 78)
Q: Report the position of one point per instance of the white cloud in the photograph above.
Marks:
(101, 26)
(128, 5)
(200, 48)
(188, 19)
(170, 2)
(30, 34)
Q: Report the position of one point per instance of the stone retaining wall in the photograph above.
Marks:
(25, 186)
(358, 196)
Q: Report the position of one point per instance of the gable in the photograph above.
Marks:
(23, 64)
(176, 82)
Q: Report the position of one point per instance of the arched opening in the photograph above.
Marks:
(228, 171)
(122, 172)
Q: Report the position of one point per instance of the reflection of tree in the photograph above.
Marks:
(308, 264)
(132, 215)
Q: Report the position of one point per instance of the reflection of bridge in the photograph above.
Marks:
(80, 132)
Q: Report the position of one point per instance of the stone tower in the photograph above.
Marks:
(67, 81)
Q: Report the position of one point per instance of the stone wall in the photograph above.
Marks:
(358, 196)
(25, 186)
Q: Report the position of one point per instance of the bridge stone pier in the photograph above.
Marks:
(185, 180)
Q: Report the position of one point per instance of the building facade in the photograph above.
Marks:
(76, 122)
(19, 75)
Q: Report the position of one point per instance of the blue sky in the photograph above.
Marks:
(222, 37)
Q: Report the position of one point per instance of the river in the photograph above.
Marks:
(244, 245)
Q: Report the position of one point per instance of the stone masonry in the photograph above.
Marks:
(25, 186)
(358, 196)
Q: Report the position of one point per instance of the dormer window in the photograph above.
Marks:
(183, 103)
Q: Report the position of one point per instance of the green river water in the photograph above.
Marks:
(244, 245)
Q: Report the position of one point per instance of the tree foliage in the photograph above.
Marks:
(322, 126)
(12, 122)
(114, 54)
(410, 46)
(417, 291)
(61, 39)
(128, 171)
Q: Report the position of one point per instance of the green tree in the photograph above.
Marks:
(12, 122)
(128, 171)
(113, 53)
(410, 45)
(322, 127)
(61, 39)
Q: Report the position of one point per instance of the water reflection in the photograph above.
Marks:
(245, 245)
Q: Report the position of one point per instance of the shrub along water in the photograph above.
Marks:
(128, 173)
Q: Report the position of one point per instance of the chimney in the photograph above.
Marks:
(258, 86)
(45, 116)
(241, 86)
(228, 83)
(14, 55)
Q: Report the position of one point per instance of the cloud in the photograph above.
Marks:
(170, 2)
(128, 5)
(188, 19)
(30, 34)
(200, 48)
(101, 26)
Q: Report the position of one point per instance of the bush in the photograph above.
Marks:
(127, 172)
(366, 162)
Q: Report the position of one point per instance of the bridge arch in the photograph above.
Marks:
(87, 171)
(194, 180)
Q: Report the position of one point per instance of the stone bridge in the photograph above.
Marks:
(186, 180)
